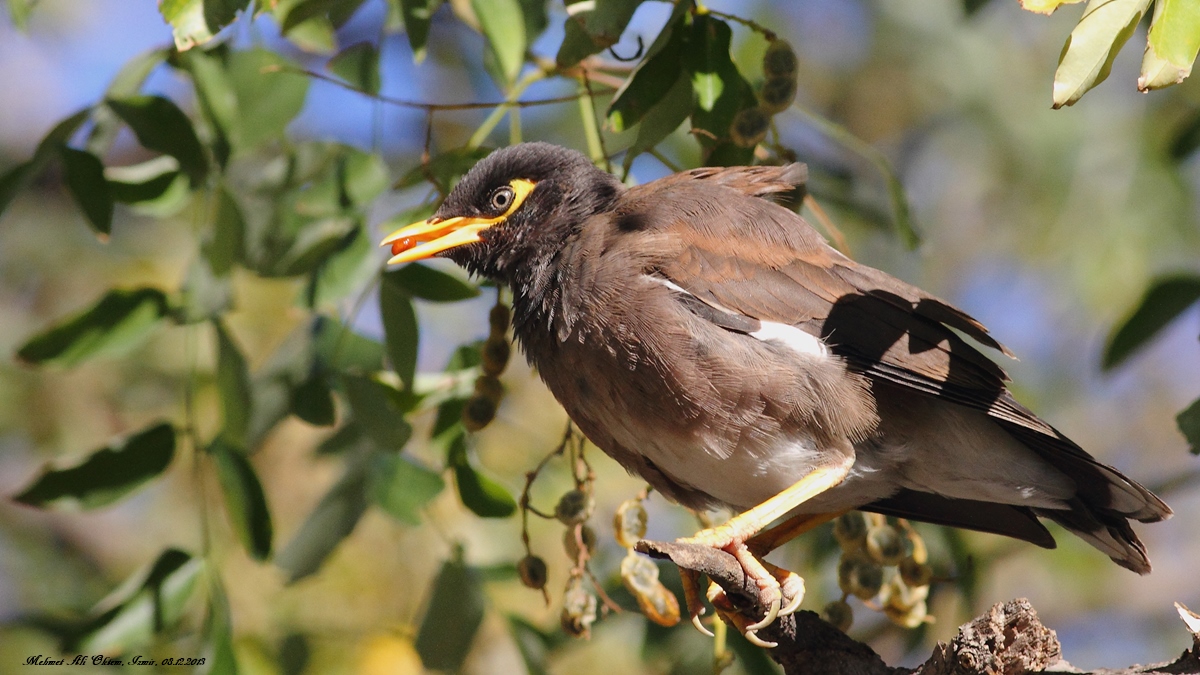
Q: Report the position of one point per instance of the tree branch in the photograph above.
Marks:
(1007, 640)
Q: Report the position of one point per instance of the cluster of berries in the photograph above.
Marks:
(885, 566)
(750, 125)
(480, 409)
(579, 541)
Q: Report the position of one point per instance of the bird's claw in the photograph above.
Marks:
(772, 614)
(752, 638)
(700, 626)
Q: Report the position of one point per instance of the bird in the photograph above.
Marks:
(709, 340)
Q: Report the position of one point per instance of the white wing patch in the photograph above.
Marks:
(790, 336)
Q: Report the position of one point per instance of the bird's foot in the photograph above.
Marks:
(779, 589)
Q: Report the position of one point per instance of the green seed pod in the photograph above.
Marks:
(495, 354)
(779, 60)
(478, 412)
(574, 507)
(498, 319)
(572, 547)
(860, 576)
(914, 573)
(749, 127)
(885, 545)
(838, 614)
(629, 522)
(490, 388)
(533, 572)
(850, 530)
(777, 94)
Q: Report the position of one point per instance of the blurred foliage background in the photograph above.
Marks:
(289, 519)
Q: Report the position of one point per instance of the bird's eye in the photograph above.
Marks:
(502, 198)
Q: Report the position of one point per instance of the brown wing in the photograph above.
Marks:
(749, 257)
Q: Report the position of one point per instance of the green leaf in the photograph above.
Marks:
(449, 415)
(358, 65)
(273, 384)
(244, 499)
(312, 401)
(113, 326)
(204, 295)
(108, 474)
(444, 170)
(19, 11)
(227, 244)
(233, 387)
(221, 13)
(430, 284)
(536, 19)
(218, 101)
(268, 94)
(503, 23)
(195, 22)
(364, 176)
(589, 31)
(147, 603)
(402, 487)
(454, 614)
(161, 126)
(84, 175)
(483, 496)
(340, 349)
(720, 89)
(346, 271)
(143, 182)
(379, 410)
(1171, 45)
(218, 630)
(417, 15)
(664, 118)
(338, 12)
(188, 24)
(1189, 425)
(315, 243)
(534, 644)
(399, 330)
(22, 174)
(654, 77)
(1166, 299)
(1090, 49)
(333, 519)
(1185, 141)
(347, 438)
(129, 79)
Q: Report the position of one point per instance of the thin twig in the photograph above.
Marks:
(408, 103)
(752, 25)
(839, 239)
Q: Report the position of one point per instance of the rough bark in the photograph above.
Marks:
(1007, 640)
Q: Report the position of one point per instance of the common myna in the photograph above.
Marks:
(710, 341)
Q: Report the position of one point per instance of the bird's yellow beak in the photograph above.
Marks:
(429, 237)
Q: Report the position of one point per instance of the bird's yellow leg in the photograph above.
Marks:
(734, 535)
(770, 539)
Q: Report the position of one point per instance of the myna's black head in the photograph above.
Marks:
(514, 208)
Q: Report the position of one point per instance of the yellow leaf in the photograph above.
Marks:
(1045, 6)
(388, 654)
(1172, 44)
